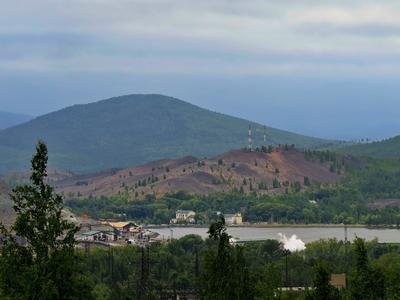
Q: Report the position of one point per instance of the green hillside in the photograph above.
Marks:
(385, 148)
(130, 130)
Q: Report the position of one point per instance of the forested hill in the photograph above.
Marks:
(131, 130)
(8, 119)
(385, 148)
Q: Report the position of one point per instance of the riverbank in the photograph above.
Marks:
(275, 225)
(307, 234)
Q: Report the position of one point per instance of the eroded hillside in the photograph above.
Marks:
(247, 171)
(7, 215)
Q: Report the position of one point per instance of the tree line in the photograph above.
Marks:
(347, 201)
(49, 266)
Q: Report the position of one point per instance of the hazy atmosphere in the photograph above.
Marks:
(323, 69)
(200, 150)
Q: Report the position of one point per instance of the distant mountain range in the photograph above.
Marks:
(8, 119)
(386, 148)
(131, 130)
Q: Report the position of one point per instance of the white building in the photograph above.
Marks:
(184, 216)
(233, 219)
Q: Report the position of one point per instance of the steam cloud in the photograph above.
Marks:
(292, 244)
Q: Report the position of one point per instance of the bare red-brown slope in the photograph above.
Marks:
(53, 175)
(238, 169)
(7, 215)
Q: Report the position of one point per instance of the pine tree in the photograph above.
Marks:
(224, 275)
(46, 267)
(323, 290)
(367, 281)
(275, 183)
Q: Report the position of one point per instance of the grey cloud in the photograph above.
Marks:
(237, 35)
(364, 30)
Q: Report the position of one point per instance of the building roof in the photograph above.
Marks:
(92, 232)
(102, 227)
(180, 211)
(232, 215)
(246, 240)
(121, 224)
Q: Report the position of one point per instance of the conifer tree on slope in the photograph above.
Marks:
(46, 267)
(225, 274)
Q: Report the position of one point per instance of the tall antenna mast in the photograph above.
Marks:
(265, 135)
(250, 139)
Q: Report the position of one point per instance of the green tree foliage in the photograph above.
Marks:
(253, 271)
(323, 290)
(296, 187)
(390, 263)
(224, 274)
(44, 268)
(386, 148)
(367, 281)
(275, 183)
(262, 186)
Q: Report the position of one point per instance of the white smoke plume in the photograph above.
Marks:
(292, 244)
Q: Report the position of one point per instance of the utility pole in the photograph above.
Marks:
(286, 270)
(196, 263)
(196, 271)
(143, 284)
(148, 283)
(345, 243)
(111, 263)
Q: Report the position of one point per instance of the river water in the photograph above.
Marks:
(306, 234)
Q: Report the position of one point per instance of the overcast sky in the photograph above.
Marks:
(323, 68)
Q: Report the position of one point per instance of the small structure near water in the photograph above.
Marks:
(115, 233)
(95, 235)
(184, 216)
(233, 219)
(126, 229)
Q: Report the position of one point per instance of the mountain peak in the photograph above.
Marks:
(130, 130)
(149, 98)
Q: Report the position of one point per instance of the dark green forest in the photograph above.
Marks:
(385, 148)
(348, 201)
(256, 270)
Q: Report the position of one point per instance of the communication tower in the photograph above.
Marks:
(265, 135)
(250, 146)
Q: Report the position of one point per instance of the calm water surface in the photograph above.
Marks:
(305, 234)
